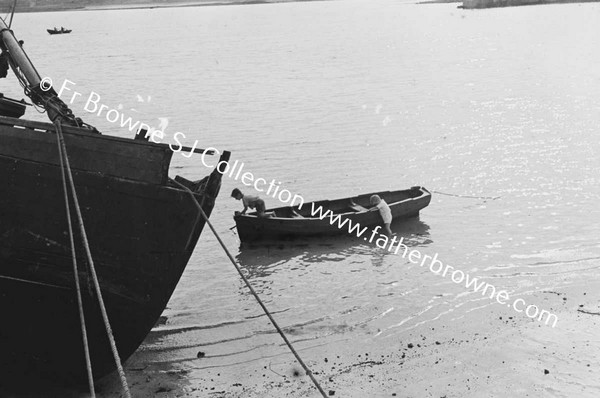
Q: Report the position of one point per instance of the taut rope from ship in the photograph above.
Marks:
(264, 308)
(86, 349)
(66, 167)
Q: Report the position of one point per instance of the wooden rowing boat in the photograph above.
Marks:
(309, 219)
(60, 31)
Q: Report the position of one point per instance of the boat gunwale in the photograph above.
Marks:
(254, 215)
(124, 186)
(44, 127)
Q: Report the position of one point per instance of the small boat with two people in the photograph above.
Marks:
(315, 218)
(60, 31)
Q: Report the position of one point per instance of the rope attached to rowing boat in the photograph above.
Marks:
(88, 362)
(111, 339)
(264, 308)
(467, 196)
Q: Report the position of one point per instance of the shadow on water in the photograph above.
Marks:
(261, 259)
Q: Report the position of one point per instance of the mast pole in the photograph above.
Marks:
(18, 55)
(44, 97)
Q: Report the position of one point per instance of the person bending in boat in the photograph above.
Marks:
(385, 211)
(249, 201)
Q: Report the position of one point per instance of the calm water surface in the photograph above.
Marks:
(339, 98)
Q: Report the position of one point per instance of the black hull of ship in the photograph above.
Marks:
(141, 233)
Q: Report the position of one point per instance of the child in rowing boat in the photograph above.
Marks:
(385, 211)
(249, 201)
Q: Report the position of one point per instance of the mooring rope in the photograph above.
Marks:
(467, 196)
(88, 362)
(264, 308)
(86, 245)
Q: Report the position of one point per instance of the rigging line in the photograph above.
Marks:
(264, 308)
(14, 7)
(467, 196)
(86, 245)
(34, 282)
(86, 349)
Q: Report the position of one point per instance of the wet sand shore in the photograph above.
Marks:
(491, 351)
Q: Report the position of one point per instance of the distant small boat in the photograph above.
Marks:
(291, 222)
(60, 31)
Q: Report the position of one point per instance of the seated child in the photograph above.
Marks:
(249, 201)
(385, 211)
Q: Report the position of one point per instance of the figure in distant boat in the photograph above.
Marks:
(252, 202)
(385, 211)
(57, 31)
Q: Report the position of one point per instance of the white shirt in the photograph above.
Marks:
(385, 211)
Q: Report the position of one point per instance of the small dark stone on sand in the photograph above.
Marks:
(410, 345)
(437, 343)
(201, 354)
(331, 393)
(546, 371)
(326, 360)
(296, 373)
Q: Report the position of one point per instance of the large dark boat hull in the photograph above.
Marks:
(142, 233)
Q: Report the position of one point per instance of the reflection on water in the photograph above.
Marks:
(261, 259)
(364, 285)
